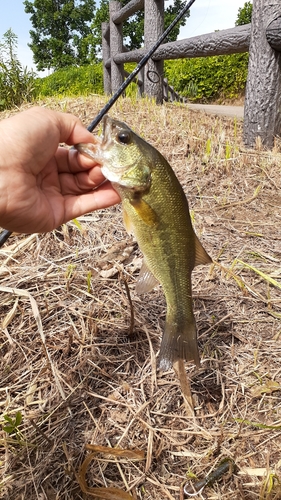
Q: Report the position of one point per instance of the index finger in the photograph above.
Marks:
(71, 161)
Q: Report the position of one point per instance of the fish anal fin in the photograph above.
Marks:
(201, 256)
(144, 211)
(146, 281)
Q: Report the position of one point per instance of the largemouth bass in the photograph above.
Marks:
(156, 211)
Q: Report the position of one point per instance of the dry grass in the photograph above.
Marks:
(70, 368)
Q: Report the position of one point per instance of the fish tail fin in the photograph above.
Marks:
(178, 343)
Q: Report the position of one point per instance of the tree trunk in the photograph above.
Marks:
(262, 115)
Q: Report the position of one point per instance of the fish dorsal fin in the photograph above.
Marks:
(201, 256)
(144, 211)
(146, 281)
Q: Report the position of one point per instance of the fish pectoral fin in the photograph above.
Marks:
(146, 281)
(201, 256)
(127, 222)
(144, 211)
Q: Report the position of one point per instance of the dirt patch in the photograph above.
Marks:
(221, 110)
(82, 379)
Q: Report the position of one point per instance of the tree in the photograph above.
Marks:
(133, 27)
(244, 14)
(62, 34)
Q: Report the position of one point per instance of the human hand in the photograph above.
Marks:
(43, 185)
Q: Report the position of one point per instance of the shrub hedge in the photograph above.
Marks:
(209, 78)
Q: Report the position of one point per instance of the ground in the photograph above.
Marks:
(74, 373)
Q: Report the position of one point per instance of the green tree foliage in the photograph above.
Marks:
(170, 13)
(133, 28)
(16, 82)
(244, 14)
(61, 34)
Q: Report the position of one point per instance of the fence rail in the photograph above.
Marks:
(262, 38)
(229, 41)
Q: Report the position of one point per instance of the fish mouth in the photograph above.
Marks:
(110, 126)
(107, 127)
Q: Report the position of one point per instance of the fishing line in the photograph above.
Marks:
(4, 235)
(140, 65)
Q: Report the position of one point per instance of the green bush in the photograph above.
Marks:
(209, 78)
(72, 81)
(16, 82)
(132, 89)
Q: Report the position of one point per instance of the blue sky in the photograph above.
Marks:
(206, 16)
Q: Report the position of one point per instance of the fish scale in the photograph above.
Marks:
(156, 211)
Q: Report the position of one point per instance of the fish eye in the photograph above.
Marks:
(124, 137)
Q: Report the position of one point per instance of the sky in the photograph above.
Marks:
(205, 16)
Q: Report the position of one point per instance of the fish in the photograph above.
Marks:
(156, 212)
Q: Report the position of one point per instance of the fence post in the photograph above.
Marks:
(116, 47)
(105, 57)
(262, 115)
(153, 29)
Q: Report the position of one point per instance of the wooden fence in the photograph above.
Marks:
(169, 93)
(262, 38)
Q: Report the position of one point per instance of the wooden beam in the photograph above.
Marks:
(126, 11)
(273, 34)
(230, 41)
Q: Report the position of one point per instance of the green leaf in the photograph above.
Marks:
(9, 429)
(8, 419)
(266, 277)
(18, 419)
(77, 224)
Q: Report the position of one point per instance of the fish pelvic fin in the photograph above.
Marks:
(146, 281)
(178, 344)
(201, 256)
